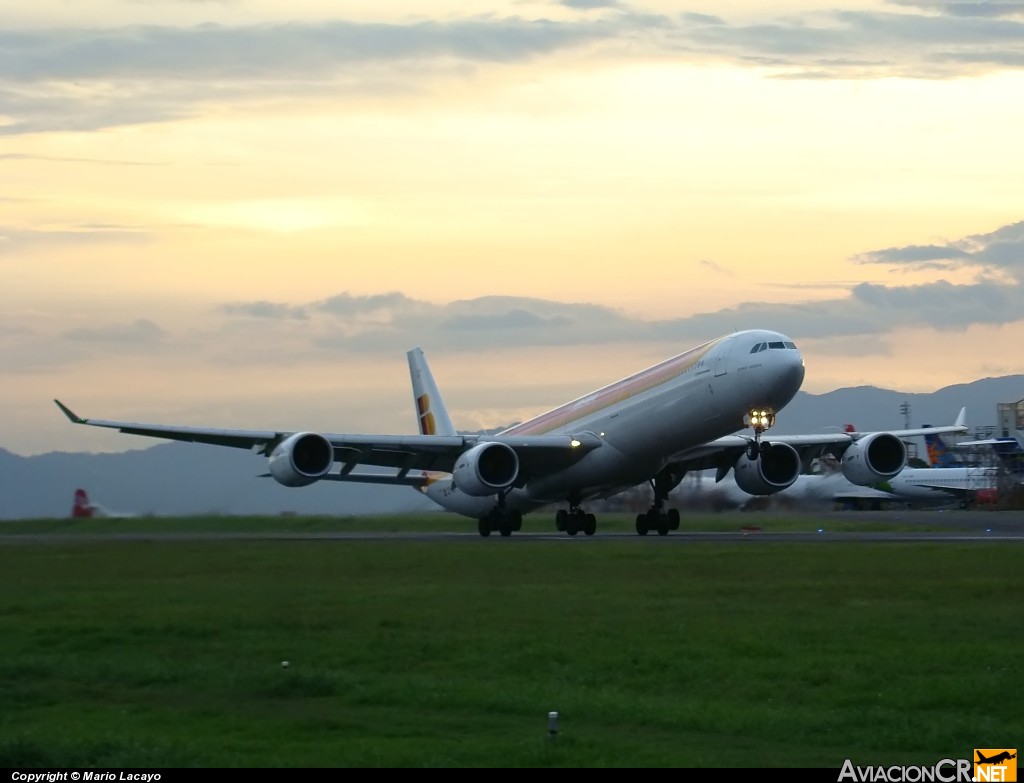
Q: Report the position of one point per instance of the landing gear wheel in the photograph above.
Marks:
(673, 519)
(484, 527)
(560, 519)
(641, 524)
(589, 524)
(765, 448)
(506, 531)
(752, 450)
(662, 530)
(516, 521)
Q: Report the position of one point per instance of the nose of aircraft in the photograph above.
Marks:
(791, 374)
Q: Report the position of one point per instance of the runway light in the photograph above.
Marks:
(821, 530)
(552, 725)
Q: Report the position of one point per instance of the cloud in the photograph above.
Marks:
(60, 159)
(943, 305)
(276, 52)
(999, 251)
(867, 44)
(588, 5)
(957, 8)
(141, 332)
(269, 310)
(358, 326)
(714, 267)
(394, 321)
(13, 241)
(515, 319)
(913, 253)
(377, 304)
(76, 79)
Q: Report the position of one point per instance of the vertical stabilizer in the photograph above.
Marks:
(939, 455)
(82, 508)
(432, 415)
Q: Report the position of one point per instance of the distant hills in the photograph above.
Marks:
(189, 479)
(871, 408)
(180, 479)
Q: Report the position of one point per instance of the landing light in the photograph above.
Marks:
(574, 443)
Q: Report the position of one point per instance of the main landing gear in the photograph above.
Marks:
(500, 519)
(760, 420)
(575, 520)
(504, 522)
(656, 517)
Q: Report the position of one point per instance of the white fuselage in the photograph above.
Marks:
(646, 419)
(941, 483)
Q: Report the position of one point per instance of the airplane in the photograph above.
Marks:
(916, 486)
(996, 759)
(707, 407)
(83, 508)
(1007, 451)
(966, 484)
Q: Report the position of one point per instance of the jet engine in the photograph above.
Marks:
(300, 460)
(486, 469)
(775, 469)
(874, 458)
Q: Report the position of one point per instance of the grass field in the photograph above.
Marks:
(424, 653)
(540, 522)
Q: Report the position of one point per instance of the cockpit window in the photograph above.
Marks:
(790, 345)
(776, 345)
(759, 347)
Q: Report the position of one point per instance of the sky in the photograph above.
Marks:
(242, 213)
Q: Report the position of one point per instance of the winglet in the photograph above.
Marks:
(70, 414)
(961, 420)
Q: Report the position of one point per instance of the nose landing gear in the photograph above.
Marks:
(760, 419)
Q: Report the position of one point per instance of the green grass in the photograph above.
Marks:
(538, 522)
(407, 653)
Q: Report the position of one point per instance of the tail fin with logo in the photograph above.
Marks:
(432, 415)
(939, 455)
(82, 508)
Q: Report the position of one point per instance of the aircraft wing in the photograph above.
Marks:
(536, 453)
(723, 452)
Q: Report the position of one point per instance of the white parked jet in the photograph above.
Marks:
(654, 426)
(914, 486)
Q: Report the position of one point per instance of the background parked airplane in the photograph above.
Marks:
(85, 508)
(651, 427)
(827, 486)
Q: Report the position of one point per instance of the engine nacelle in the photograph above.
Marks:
(773, 471)
(486, 469)
(300, 460)
(874, 458)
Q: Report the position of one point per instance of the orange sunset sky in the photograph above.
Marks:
(242, 214)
